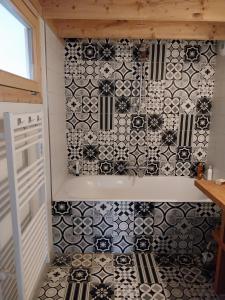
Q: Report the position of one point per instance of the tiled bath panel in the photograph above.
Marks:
(109, 129)
(130, 250)
(126, 227)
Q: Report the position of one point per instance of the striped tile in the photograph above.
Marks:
(78, 291)
(147, 271)
(106, 113)
(157, 61)
(186, 128)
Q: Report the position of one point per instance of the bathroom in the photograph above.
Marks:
(111, 147)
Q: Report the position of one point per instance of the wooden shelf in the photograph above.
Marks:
(217, 235)
(214, 191)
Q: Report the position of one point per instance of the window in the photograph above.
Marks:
(20, 55)
(16, 43)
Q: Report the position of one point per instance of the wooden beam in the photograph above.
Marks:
(37, 5)
(12, 80)
(139, 29)
(152, 10)
(34, 6)
(8, 94)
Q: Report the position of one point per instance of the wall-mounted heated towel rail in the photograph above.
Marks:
(27, 186)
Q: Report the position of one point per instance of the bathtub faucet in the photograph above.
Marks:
(140, 172)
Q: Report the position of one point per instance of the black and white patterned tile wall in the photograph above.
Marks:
(126, 227)
(109, 128)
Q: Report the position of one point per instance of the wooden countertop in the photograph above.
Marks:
(217, 194)
(214, 191)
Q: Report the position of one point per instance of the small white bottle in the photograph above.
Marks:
(77, 172)
(209, 173)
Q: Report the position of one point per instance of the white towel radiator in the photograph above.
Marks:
(24, 140)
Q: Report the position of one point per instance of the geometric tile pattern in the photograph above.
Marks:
(144, 263)
(143, 226)
(83, 225)
(123, 260)
(124, 227)
(84, 260)
(162, 277)
(125, 291)
(125, 275)
(51, 290)
(79, 275)
(152, 291)
(77, 291)
(102, 274)
(109, 129)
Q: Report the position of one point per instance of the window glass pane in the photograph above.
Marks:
(15, 49)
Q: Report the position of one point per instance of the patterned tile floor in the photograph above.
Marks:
(138, 276)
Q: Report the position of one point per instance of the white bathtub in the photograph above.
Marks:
(153, 189)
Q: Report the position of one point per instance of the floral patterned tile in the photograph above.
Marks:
(79, 275)
(62, 260)
(121, 260)
(102, 259)
(57, 274)
(101, 291)
(82, 260)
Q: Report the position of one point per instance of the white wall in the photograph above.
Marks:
(56, 108)
(216, 151)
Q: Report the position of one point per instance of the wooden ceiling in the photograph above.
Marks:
(153, 19)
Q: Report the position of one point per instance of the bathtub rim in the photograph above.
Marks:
(60, 196)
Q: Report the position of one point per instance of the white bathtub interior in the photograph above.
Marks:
(130, 188)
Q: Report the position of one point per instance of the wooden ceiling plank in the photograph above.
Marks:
(152, 10)
(139, 29)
